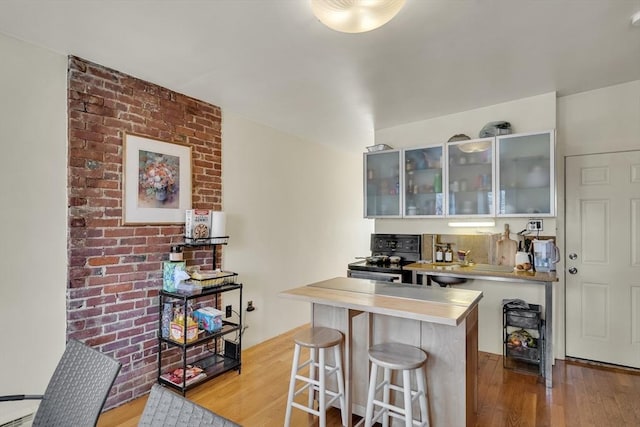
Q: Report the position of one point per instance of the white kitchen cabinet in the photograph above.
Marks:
(470, 178)
(506, 176)
(382, 184)
(423, 182)
(525, 174)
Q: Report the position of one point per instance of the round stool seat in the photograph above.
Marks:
(318, 337)
(397, 356)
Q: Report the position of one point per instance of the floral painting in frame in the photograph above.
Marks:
(157, 181)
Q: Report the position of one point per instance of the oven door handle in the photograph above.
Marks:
(369, 275)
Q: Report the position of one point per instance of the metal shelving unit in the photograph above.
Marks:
(218, 359)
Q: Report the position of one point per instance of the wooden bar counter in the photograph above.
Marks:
(442, 321)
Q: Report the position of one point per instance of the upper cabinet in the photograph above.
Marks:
(525, 173)
(470, 178)
(506, 176)
(423, 182)
(382, 184)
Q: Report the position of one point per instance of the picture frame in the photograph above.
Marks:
(156, 181)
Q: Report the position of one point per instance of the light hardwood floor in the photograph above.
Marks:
(583, 395)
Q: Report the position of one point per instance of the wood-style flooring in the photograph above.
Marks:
(583, 395)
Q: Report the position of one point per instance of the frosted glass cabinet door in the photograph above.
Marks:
(423, 183)
(470, 178)
(382, 184)
(526, 174)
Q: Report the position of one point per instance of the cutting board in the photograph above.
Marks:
(506, 249)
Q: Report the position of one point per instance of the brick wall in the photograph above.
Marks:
(115, 270)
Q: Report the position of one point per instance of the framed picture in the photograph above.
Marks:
(157, 181)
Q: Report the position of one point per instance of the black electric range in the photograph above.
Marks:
(406, 246)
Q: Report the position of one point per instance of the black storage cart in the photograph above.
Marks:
(523, 338)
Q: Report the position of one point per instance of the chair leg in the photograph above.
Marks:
(406, 385)
(386, 396)
(422, 389)
(322, 398)
(312, 375)
(292, 384)
(371, 396)
(337, 353)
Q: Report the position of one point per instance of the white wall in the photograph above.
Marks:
(601, 121)
(34, 216)
(537, 113)
(294, 216)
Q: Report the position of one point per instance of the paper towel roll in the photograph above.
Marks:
(218, 224)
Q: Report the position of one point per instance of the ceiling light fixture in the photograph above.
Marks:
(635, 19)
(355, 16)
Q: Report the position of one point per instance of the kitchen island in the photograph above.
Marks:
(504, 274)
(443, 322)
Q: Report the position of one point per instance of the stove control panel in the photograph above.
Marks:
(408, 243)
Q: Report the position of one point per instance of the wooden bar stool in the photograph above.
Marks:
(397, 357)
(317, 340)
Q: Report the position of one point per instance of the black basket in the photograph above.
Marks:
(524, 318)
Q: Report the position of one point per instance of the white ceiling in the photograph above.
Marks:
(271, 61)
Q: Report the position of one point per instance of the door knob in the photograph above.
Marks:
(573, 270)
(573, 256)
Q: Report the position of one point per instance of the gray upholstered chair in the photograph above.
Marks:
(168, 409)
(77, 390)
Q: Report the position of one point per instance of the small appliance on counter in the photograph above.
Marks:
(389, 253)
(545, 255)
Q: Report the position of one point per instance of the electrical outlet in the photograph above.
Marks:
(227, 311)
(534, 225)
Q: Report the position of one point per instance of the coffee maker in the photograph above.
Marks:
(545, 255)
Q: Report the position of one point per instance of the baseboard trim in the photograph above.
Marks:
(601, 365)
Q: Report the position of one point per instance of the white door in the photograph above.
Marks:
(603, 257)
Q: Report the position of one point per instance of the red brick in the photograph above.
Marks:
(130, 333)
(102, 339)
(104, 260)
(117, 288)
(133, 276)
(100, 280)
(125, 296)
(100, 243)
(120, 307)
(99, 301)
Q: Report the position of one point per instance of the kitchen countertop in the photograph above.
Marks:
(481, 271)
(448, 306)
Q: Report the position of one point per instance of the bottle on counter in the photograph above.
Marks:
(439, 254)
(448, 254)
